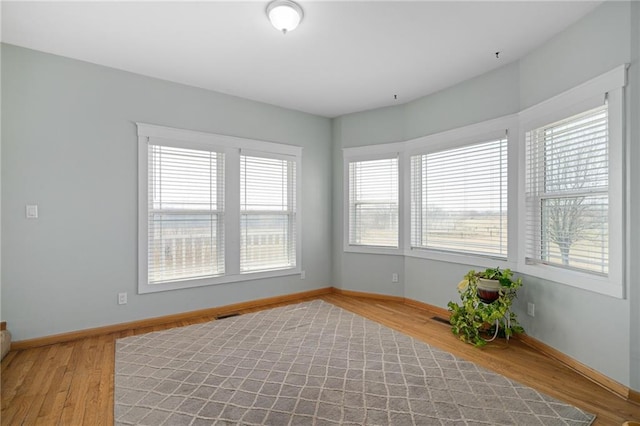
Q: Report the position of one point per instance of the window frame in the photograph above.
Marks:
(231, 147)
(574, 101)
(457, 138)
(291, 212)
(370, 153)
(219, 213)
(476, 141)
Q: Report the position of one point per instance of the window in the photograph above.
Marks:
(572, 193)
(567, 192)
(215, 209)
(268, 213)
(459, 199)
(373, 202)
(185, 215)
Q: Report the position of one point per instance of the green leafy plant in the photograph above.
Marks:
(473, 319)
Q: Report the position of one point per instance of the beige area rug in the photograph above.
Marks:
(313, 364)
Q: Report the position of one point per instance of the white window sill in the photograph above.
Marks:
(394, 251)
(144, 287)
(460, 258)
(581, 280)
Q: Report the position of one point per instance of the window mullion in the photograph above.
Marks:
(232, 212)
(290, 212)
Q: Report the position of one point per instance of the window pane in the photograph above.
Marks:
(183, 246)
(373, 202)
(266, 242)
(375, 224)
(459, 199)
(183, 179)
(185, 232)
(576, 154)
(575, 232)
(268, 219)
(567, 192)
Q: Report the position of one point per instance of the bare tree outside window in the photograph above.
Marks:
(572, 177)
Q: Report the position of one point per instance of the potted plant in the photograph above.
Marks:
(486, 306)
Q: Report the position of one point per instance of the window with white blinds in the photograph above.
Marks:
(215, 209)
(459, 199)
(373, 202)
(185, 214)
(267, 213)
(567, 192)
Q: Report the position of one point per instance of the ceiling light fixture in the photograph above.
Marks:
(285, 15)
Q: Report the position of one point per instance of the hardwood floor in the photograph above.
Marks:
(72, 383)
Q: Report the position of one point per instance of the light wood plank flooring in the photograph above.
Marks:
(72, 383)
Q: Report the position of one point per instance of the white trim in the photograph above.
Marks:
(232, 213)
(405, 201)
(617, 173)
(513, 194)
(298, 268)
(596, 87)
(561, 111)
(208, 139)
(352, 248)
(373, 152)
(227, 279)
(474, 133)
(270, 155)
(585, 281)
(143, 207)
(461, 258)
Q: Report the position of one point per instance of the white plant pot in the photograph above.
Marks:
(488, 290)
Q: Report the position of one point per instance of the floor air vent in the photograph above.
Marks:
(223, 316)
(442, 320)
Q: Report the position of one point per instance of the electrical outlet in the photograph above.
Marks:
(531, 309)
(394, 278)
(303, 275)
(122, 298)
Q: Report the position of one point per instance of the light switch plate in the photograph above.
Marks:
(32, 211)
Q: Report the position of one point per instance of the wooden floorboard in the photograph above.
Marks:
(71, 383)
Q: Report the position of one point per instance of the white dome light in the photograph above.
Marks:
(284, 15)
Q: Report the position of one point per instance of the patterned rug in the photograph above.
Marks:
(313, 364)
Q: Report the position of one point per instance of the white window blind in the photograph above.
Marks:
(567, 192)
(268, 213)
(185, 214)
(459, 199)
(373, 202)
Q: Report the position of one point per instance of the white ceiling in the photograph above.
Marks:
(345, 56)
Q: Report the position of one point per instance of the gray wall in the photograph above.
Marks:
(69, 144)
(591, 328)
(356, 271)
